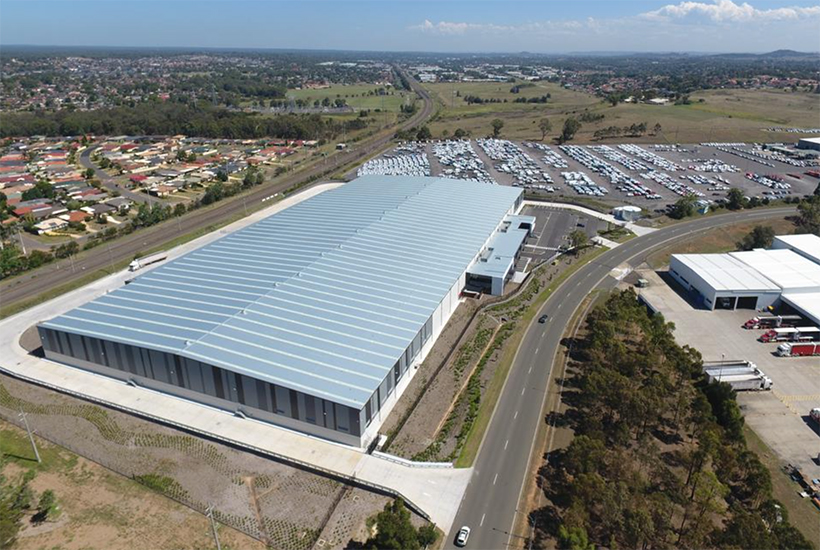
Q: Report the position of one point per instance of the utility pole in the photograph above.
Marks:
(210, 513)
(23, 417)
(22, 244)
(110, 257)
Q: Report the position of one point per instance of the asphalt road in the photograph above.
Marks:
(489, 504)
(31, 284)
(108, 182)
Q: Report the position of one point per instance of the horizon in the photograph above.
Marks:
(401, 26)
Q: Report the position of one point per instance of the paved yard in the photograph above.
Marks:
(780, 417)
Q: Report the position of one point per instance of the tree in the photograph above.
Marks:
(45, 507)
(683, 208)
(735, 200)
(578, 239)
(459, 133)
(545, 126)
(761, 236)
(571, 127)
(497, 124)
(424, 134)
(657, 128)
(394, 530)
(89, 173)
(574, 538)
(809, 215)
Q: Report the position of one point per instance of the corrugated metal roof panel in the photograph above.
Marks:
(323, 297)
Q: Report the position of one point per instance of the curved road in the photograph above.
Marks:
(31, 284)
(502, 466)
(108, 182)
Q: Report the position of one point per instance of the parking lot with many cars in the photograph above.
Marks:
(649, 176)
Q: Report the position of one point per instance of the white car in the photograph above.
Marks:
(462, 536)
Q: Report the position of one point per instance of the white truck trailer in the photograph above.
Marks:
(139, 263)
(741, 375)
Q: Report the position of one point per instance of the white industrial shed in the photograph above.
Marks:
(314, 318)
(789, 273)
(723, 281)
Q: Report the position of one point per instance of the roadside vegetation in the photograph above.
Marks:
(659, 457)
(393, 530)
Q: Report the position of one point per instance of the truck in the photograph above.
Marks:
(741, 375)
(772, 321)
(798, 349)
(139, 263)
(792, 334)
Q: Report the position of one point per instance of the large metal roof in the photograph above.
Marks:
(785, 268)
(807, 245)
(323, 297)
(723, 272)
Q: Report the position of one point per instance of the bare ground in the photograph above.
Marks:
(107, 510)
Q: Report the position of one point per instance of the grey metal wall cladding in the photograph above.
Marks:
(199, 377)
(323, 298)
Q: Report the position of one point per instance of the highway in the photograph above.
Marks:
(31, 284)
(490, 502)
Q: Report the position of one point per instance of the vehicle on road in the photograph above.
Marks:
(543, 319)
(139, 263)
(462, 536)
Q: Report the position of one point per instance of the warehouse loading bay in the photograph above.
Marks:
(780, 416)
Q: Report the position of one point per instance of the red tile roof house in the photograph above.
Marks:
(76, 216)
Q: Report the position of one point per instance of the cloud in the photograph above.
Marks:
(722, 11)
(447, 28)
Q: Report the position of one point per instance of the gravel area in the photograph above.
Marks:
(294, 505)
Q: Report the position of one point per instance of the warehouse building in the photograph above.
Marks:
(812, 143)
(313, 319)
(788, 274)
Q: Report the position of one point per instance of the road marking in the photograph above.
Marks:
(536, 350)
(529, 371)
(506, 443)
(522, 390)
(482, 520)
(495, 479)
(516, 415)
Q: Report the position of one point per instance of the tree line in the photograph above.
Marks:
(169, 118)
(659, 458)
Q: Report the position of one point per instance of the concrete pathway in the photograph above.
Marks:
(436, 491)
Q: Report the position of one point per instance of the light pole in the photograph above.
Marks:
(24, 418)
(210, 513)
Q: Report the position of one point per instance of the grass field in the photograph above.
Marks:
(719, 239)
(724, 115)
(355, 94)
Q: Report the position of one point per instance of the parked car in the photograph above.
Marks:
(462, 536)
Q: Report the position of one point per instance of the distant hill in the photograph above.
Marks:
(777, 54)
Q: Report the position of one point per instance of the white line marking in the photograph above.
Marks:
(529, 371)
(495, 479)
(522, 390)
(536, 350)
(506, 443)
(482, 520)
(516, 415)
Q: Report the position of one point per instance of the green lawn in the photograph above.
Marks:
(355, 94)
(724, 115)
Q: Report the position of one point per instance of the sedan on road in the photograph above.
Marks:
(462, 536)
(543, 319)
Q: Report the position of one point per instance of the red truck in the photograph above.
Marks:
(798, 349)
(772, 321)
(813, 173)
(791, 334)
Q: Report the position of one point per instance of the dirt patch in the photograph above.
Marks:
(106, 510)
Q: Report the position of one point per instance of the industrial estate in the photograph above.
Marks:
(325, 299)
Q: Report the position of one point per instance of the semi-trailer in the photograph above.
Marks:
(741, 375)
(792, 334)
(772, 321)
(139, 263)
(798, 349)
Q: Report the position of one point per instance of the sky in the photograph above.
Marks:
(540, 26)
